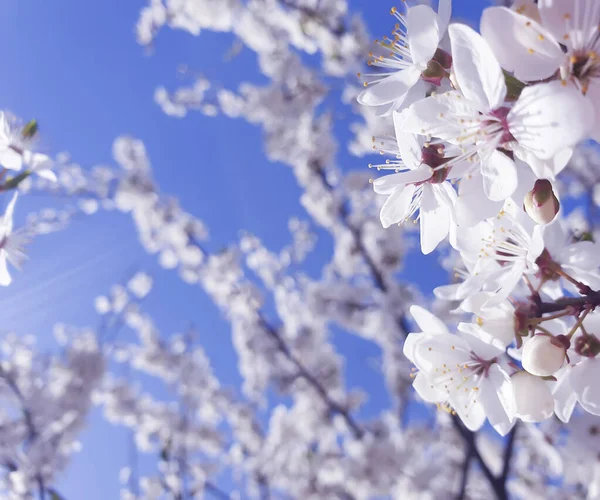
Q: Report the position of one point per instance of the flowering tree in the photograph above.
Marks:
(489, 138)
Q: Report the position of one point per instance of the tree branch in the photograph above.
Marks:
(508, 452)
(469, 438)
(465, 473)
(591, 300)
(333, 406)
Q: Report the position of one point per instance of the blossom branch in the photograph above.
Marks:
(333, 406)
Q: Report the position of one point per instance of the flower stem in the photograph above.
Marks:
(578, 323)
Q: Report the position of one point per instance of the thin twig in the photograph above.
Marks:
(333, 406)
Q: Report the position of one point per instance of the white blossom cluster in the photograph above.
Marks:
(476, 161)
(489, 137)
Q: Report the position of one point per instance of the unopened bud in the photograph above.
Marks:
(30, 129)
(541, 204)
(543, 355)
(532, 397)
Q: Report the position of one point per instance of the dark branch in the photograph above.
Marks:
(333, 406)
(466, 467)
(508, 452)
(591, 300)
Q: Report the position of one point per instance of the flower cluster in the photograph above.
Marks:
(478, 129)
(18, 156)
(475, 159)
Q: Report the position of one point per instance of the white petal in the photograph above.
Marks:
(471, 413)
(520, 44)
(444, 14)
(46, 173)
(410, 345)
(430, 350)
(409, 145)
(593, 94)
(544, 169)
(473, 205)
(388, 183)
(427, 390)
(555, 12)
(499, 176)
(414, 94)
(495, 395)
(549, 118)
(448, 292)
(438, 115)
(507, 281)
(10, 159)
(479, 75)
(396, 208)
(584, 378)
(564, 397)
(5, 278)
(480, 342)
(390, 88)
(426, 321)
(8, 214)
(423, 34)
(435, 220)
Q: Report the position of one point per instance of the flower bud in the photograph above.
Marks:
(532, 397)
(543, 355)
(541, 204)
(30, 129)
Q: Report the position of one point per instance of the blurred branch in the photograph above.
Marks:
(508, 453)
(466, 467)
(333, 406)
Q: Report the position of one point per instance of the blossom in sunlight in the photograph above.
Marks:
(546, 120)
(11, 243)
(500, 251)
(419, 184)
(10, 144)
(483, 142)
(411, 56)
(533, 49)
(462, 372)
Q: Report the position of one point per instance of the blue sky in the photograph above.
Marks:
(76, 67)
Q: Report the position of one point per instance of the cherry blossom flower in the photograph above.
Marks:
(534, 50)
(411, 58)
(461, 371)
(489, 131)
(422, 186)
(10, 141)
(500, 251)
(11, 243)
